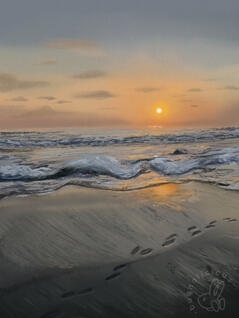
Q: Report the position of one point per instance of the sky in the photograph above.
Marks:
(106, 63)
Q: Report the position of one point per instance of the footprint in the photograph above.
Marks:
(146, 251)
(213, 222)
(135, 250)
(51, 314)
(86, 291)
(229, 219)
(169, 242)
(226, 219)
(192, 228)
(150, 209)
(68, 294)
(113, 276)
(209, 226)
(232, 220)
(196, 233)
(174, 235)
(122, 266)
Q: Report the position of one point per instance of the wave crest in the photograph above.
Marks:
(107, 165)
(90, 164)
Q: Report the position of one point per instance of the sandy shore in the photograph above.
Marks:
(166, 251)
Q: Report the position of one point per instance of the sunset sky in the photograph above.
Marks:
(86, 63)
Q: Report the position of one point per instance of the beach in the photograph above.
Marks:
(164, 251)
(119, 159)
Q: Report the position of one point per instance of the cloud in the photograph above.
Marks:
(210, 79)
(96, 94)
(232, 88)
(194, 90)
(40, 111)
(90, 74)
(19, 99)
(108, 108)
(47, 97)
(46, 62)
(187, 100)
(147, 89)
(63, 102)
(46, 116)
(9, 82)
(84, 47)
(195, 106)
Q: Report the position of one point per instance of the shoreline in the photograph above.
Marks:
(219, 185)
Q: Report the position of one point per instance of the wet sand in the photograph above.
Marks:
(166, 251)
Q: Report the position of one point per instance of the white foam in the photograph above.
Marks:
(15, 171)
(169, 167)
(104, 165)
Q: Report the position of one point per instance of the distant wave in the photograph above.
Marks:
(36, 139)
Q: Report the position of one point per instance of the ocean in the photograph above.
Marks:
(119, 223)
(117, 159)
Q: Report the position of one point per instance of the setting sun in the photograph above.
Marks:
(159, 110)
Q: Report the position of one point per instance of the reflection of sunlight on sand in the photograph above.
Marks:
(165, 190)
(171, 195)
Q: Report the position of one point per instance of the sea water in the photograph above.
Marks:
(117, 159)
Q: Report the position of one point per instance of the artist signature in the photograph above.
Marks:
(213, 300)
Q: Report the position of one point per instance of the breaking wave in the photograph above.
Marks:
(90, 164)
(39, 162)
(109, 166)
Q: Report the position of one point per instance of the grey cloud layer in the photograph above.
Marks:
(9, 82)
(214, 19)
